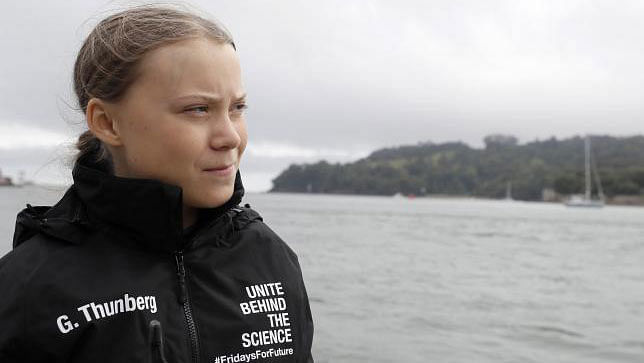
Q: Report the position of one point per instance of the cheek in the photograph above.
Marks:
(242, 131)
(181, 144)
(164, 150)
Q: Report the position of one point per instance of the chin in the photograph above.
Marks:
(211, 199)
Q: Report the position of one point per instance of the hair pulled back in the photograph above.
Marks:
(106, 64)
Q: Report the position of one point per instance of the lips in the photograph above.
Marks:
(221, 171)
(219, 168)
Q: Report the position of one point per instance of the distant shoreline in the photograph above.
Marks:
(35, 185)
(620, 200)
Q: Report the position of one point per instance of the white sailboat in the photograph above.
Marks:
(508, 192)
(586, 199)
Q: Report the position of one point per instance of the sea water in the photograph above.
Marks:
(453, 280)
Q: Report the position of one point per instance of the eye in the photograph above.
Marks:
(240, 107)
(197, 109)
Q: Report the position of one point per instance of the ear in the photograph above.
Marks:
(101, 123)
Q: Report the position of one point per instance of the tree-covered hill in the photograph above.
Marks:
(456, 169)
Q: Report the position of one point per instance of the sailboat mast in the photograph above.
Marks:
(588, 185)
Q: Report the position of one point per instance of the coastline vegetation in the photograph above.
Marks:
(548, 169)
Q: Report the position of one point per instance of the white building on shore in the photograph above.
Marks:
(5, 180)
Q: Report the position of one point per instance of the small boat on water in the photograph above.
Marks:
(401, 196)
(582, 201)
(508, 192)
(586, 200)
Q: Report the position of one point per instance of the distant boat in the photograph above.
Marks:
(401, 195)
(586, 200)
(508, 192)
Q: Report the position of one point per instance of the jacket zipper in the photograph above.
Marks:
(187, 310)
(184, 298)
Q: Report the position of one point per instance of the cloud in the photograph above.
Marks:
(336, 79)
(279, 150)
(20, 135)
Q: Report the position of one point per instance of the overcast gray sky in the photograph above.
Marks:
(336, 79)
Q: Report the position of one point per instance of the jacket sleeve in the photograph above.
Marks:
(11, 309)
(303, 310)
(309, 326)
(307, 322)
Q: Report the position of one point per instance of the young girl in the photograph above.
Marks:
(149, 256)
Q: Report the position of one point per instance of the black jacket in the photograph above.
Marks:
(109, 275)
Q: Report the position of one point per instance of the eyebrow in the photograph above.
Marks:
(210, 98)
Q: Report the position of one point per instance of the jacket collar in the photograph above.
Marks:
(147, 210)
(65, 221)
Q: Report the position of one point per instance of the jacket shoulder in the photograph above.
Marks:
(262, 233)
(23, 264)
(18, 269)
(29, 256)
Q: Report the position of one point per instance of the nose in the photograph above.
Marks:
(224, 134)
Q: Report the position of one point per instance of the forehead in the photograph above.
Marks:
(193, 65)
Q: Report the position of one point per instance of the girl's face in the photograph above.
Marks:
(182, 122)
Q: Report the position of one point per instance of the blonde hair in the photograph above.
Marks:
(107, 61)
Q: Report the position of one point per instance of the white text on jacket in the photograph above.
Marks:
(96, 311)
(267, 298)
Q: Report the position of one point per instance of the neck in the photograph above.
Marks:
(189, 213)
